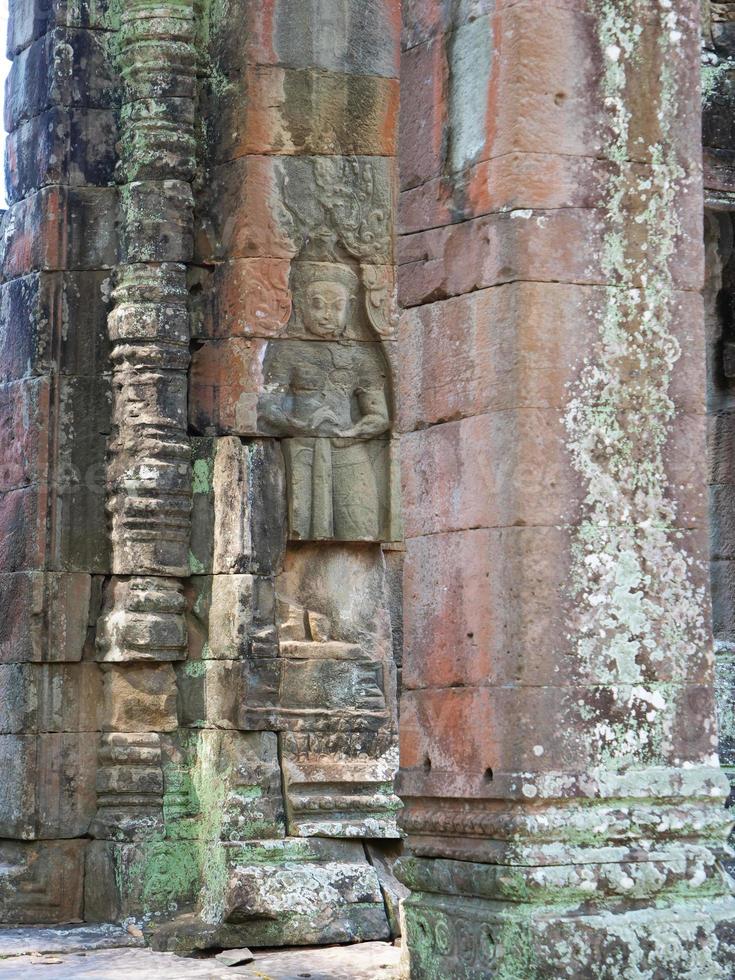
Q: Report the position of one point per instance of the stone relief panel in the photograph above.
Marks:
(328, 399)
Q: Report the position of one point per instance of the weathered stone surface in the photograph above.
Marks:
(230, 534)
(287, 111)
(44, 616)
(42, 882)
(232, 617)
(129, 784)
(61, 147)
(30, 20)
(35, 312)
(49, 785)
(305, 892)
(49, 698)
(346, 37)
(65, 67)
(36, 237)
(140, 699)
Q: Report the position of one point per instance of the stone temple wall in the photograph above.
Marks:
(200, 482)
(211, 409)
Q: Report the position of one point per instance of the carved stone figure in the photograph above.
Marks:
(328, 398)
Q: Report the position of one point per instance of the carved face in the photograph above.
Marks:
(325, 308)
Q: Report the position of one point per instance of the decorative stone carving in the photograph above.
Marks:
(328, 400)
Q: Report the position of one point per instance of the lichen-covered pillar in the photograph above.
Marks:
(558, 739)
(57, 249)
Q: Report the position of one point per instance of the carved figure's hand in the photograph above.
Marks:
(324, 417)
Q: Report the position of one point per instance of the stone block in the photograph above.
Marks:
(268, 109)
(229, 534)
(348, 37)
(303, 892)
(142, 619)
(223, 785)
(42, 881)
(23, 528)
(210, 693)
(248, 298)
(65, 67)
(530, 245)
(489, 742)
(158, 225)
(139, 698)
(315, 695)
(424, 19)
(50, 698)
(720, 436)
(61, 228)
(469, 623)
(340, 784)
(61, 146)
(423, 122)
(493, 350)
(322, 583)
(232, 617)
(44, 616)
(526, 450)
(49, 785)
(272, 207)
(30, 19)
(129, 786)
(549, 105)
(26, 433)
(35, 311)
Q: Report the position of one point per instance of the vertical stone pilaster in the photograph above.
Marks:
(58, 247)
(558, 742)
(142, 629)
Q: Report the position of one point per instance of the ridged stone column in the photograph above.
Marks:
(149, 474)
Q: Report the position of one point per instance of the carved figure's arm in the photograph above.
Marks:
(375, 419)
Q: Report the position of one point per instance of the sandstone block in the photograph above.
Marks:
(271, 207)
(158, 224)
(525, 245)
(33, 312)
(140, 699)
(230, 534)
(232, 617)
(280, 110)
(49, 785)
(29, 19)
(44, 616)
(129, 786)
(65, 67)
(271, 879)
(249, 298)
(42, 881)
(468, 623)
(223, 784)
(423, 122)
(340, 784)
(348, 37)
(486, 742)
(50, 698)
(62, 146)
(61, 228)
(493, 350)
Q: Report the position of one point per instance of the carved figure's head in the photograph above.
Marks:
(324, 296)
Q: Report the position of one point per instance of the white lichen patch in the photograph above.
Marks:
(638, 610)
